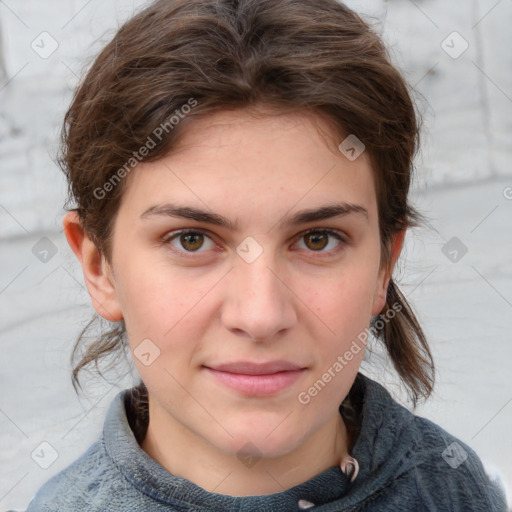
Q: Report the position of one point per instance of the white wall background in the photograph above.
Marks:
(464, 185)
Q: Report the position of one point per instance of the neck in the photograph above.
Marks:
(185, 454)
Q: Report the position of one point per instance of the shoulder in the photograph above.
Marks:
(96, 480)
(447, 470)
(422, 461)
(84, 485)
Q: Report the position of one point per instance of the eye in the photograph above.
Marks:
(316, 240)
(188, 241)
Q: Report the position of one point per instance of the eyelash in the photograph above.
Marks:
(169, 237)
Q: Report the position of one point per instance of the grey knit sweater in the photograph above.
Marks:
(407, 463)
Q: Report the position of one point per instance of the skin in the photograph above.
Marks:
(303, 300)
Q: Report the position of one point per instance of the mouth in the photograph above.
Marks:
(255, 379)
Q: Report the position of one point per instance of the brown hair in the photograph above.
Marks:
(313, 55)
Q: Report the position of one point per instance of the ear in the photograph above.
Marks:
(97, 272)
(385, 273)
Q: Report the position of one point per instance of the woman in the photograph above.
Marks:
(240, 172)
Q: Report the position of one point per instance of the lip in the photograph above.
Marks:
(257, 379)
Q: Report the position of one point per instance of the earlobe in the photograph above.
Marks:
(99, 283)
(385, 274)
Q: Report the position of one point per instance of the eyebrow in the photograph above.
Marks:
(301, 217)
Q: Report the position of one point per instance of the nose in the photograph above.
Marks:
(258, 303)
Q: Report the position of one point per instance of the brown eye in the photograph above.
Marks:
(188, 241)
(192, 242)
(316, 240)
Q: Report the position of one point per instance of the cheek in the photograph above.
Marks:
(344, 310)
(150, 301)
(163, 305)
(342, 305)
(344, 299)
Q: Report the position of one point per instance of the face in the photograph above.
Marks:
(235, 313)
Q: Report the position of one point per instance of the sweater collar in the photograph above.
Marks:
(371, 450)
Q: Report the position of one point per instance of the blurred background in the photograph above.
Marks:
(456, 271)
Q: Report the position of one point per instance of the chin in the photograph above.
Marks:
(261, 442)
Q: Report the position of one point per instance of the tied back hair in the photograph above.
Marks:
(315, 56)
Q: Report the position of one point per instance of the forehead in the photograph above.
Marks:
(239, 159)
(264, 123)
